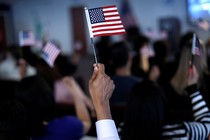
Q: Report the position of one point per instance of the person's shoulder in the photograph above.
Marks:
(128, 79)
(66, 124)
(135, 78)
(67, 120)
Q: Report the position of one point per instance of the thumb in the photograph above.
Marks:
(95, 72)
(101, 68)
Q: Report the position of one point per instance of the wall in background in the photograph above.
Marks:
(54, 18)
(5, 12)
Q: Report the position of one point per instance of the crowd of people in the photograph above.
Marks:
(135, 92)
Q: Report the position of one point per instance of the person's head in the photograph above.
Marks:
(103, 49)
(145, 112)
(119, 55)
(38, 99)
(161, 49)
(64, 66)
(154, 71)
(30, 57)
(105, 39)
(140, 42)
(13, 121)
(132, 33)
(180, 79)
(185, 38)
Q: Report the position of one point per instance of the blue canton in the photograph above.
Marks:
(96, 15)
(45, 54)
(25, 34)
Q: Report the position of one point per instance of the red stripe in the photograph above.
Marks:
(108, 29)
(111, 6)
(107, 25)
(114, 15)
(108, 34)
(110, 11)
(108, 20)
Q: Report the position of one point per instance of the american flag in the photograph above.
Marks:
(104, 21)
(50, 53)
(26, 38)
(196, 46)
(127, 16)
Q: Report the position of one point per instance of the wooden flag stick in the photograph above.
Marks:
(94, 51)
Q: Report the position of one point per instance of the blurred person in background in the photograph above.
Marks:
(9, 67)
(174, 89)
(38, 99)
(140, 63)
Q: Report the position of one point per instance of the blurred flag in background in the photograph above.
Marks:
(196, 46)
(26, 38)
(127, 16)
(50, 53)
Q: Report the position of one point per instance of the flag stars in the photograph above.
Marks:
(96, 15)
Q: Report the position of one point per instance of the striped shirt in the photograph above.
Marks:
(199, 129)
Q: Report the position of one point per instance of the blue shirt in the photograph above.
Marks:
(123, 86)
(65, 128)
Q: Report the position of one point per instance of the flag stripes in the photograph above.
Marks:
(50, 53)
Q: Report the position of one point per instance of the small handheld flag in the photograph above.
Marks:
(195, 50)
(196, 45)
(103, 21)
(50, 53)
(26, 38)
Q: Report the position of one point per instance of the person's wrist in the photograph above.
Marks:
(103, 111)
(192, 88)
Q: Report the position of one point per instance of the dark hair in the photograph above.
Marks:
(64, 66)
(38, 99)
(145, 113)
(119, 55)
(160, 48)
(13, 121)
(132, 33)
(185, 38)
(29, 56)
(139, 42)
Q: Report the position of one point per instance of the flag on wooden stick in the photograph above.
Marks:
(103, 21)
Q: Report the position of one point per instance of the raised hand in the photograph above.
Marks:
(193, 76)
(101, 88)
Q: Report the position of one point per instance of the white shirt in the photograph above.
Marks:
(106, 130)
